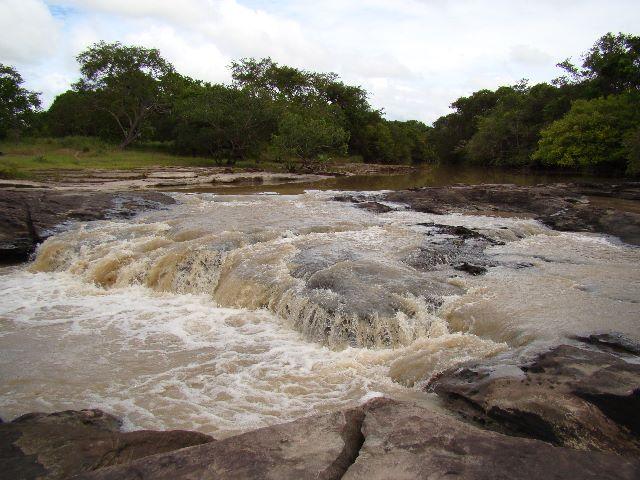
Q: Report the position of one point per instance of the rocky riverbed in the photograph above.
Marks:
(567, 413)
(464, 303)
(572, 207)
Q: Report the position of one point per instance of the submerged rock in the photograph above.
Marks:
(471, 269)
(572, 395)
(27, 217)
(566, 207)
(58, 445)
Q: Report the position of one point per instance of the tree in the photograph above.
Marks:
(356, 110)
(509, 133)
(289, 87)
(72, 113)
(308, 134)
(592, 134)
(127, 82)
(451, 132)
(632, 148)
(612, 66)
(18, 105)
(222, 122)
(266, 78)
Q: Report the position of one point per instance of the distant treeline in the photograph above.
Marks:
(587, 119)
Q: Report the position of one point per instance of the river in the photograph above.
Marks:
(225, 313)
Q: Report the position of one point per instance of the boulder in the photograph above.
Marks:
(384, 439)
(58, 445)
(583, 396)
(27, 217)
(320, 447)
(406, 442)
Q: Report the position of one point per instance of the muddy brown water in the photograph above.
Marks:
(429, 176)
(229, 312)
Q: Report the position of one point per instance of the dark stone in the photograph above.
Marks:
(27, 217)
(381, 440)
(471, 269)
(560, 206)
(612, 340)
(320, 447)
(375, 207)
(403, 441)
(582, 397)
(58, 445)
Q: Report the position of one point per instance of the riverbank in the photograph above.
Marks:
(73, 160)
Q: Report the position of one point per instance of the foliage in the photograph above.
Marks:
(72, 114)
(585, 119)
(310, 134)
(129, 83)
(632, 147)
(508, 134)
(451, 132)
(222, 122)
(17, 104)
(611, 66)
(592, 134)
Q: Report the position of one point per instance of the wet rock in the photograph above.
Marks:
(27, 217)
(403, 441)
(375, 207)
(612, 340)
(572, 395)
(58, 445)
(384, 439)
(463, 252)
(320, 447)
(563, 207)
(471, 269)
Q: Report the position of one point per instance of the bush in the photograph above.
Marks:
(592, 134)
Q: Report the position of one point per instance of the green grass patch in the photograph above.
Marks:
(36, 158)
(25, 158)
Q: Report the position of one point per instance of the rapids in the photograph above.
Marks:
(226, 313)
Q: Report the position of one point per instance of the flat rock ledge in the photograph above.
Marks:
(27, 217)
(62, 444)
(382, 439)
(584, 395)
(579, 207)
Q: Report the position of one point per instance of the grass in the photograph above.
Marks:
(28, 158)
(25, 158)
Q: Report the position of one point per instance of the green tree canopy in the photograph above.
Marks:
(129, 83)
(508, 134)
(222, 122)
(309, 133)
(17, 104)
(592, 134)
(611, 66)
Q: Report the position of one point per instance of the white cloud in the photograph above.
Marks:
(28, 31)
(414, 56)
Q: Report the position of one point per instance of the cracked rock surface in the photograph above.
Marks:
(584, 395)
(382, 439)
(320, 447)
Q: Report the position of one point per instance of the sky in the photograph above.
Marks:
(414, 57)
